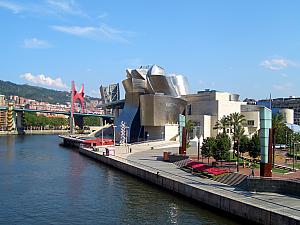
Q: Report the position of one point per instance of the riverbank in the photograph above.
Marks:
(31, 132)
(263, 208)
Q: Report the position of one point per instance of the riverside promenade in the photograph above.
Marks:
(145, 162)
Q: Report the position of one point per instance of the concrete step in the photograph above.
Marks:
(231, 179)
(239, 178)
(222, 178)
(227, 178)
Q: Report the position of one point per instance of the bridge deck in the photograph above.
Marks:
(57, 112)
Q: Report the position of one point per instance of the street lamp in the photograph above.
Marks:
(198, 144)
(114, 134)
(102, 136)
(198, 135)
(126, 135)
(295, 155)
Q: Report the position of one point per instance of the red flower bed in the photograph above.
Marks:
(215, 171)
(200, 166)
(205, 168)
(190, 164)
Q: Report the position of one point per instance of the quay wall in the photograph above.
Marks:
(290, 187)
(172, 183)
(46, 131)
(35, 132)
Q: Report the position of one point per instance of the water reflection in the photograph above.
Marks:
(45, 183)
(10, 147)
(77, 166)
(173, 211)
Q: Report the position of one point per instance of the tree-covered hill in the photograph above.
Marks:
(36, 93)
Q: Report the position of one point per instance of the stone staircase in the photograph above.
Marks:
(232, 179)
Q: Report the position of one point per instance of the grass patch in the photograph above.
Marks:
(297, 165)
(281, 171)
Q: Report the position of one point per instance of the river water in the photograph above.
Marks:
(44, 183)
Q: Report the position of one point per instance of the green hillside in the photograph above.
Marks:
(36, 93)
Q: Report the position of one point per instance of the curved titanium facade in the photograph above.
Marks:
(180, 84)
(151, 99)
(159, 110)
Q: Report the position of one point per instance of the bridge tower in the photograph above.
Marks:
(10, 117)
(75, 95)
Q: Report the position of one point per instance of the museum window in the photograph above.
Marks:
(250, 122)
(189, 109)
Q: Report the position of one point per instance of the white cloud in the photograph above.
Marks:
(75, 30)
(36, 43)
(43, 80)
(57, 8)
(102, 32)
(277, 63)
(66, 6)
(15, 8)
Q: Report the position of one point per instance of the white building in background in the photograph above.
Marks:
(251, 113)
(2, 100)
(207, 107)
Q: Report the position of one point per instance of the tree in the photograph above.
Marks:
(254, 146)
(91, 121)
(277, 123)
(283, 135)
(296, 136)
(244, 144)
(189, 126)
(223, 143)
(222, 124)
(208, 147)
(31, 119)
(237, 121)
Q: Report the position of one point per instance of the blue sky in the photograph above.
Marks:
(246, 47)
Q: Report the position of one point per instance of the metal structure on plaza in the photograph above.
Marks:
(152, 100)
(109, 94)
(265, 135)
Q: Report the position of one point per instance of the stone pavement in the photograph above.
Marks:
(148, 156)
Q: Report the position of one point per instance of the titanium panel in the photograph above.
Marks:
(135, 85)
(162, 84)
(159, 110)
(180, 84)
(156, 70)
(128, 114)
